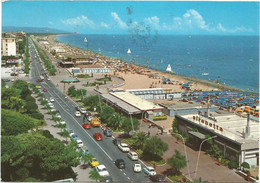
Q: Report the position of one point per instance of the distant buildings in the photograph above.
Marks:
(10, 45)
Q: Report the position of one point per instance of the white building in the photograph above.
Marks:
(8, 47)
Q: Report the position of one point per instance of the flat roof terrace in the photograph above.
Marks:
(136, 101)
(177, 104)
(229, 125)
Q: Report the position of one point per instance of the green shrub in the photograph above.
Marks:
(37, 115)
(233, 165)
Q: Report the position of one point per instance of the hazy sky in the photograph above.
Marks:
(107, 17)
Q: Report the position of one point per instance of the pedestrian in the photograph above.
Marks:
(154, 166)
(158, 132)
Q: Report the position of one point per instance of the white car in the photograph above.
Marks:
(77, 113)
(123, 147)
(89, 118)
(51, 99)
(80, 143)
(132, 155)
(51, 105)
(149, 170)
(137, 167)
(102, 170)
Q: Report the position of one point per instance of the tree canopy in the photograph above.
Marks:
(155, 147)
(177, 161)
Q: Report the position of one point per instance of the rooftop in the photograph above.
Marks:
(233, 126)
(121, 104)
(136, 101)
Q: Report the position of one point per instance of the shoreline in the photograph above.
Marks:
(206, 83)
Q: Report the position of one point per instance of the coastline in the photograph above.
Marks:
(208, 85)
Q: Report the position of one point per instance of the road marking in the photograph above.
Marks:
(128, 178)
(124, 173)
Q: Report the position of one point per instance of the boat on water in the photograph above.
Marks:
(169, 68)
(85, 40)
(205, 74)
(128, 51)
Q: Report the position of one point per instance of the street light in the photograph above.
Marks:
(199, 154)
(185, 152)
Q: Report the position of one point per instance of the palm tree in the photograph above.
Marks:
(16, 103)
(139, 140)
(86, 158)
(65, 134)
(93, 174)
(116, 120)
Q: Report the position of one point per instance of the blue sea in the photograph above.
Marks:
(233, 60)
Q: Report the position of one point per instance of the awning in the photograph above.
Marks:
(197, 134)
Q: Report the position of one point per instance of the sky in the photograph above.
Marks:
(122, 17)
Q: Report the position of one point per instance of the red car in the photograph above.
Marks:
(86, 126)
(98, 136)
(45, 90)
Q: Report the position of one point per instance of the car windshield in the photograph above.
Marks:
(137, 165)
(124, 145)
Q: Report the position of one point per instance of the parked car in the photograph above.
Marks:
(89, 118)
(123, 147)
(98, 136)
(137, 167)
(149, 170)
(120, 163)
(132, 155)
(77, 114)
(84, 150)
(81, 109)
(45, 89)
(107, 132)
(80, 143)
(93, 162)
(86, 126)
(158, 178)
(106, 179)
(117, 141)
(73, 135)
(51, 99)
(102, 170)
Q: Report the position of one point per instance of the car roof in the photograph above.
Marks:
(150, 168)
(120, 160)
(101, 166)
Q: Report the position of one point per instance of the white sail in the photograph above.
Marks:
(128, 51)
(85, 40)
(169, 68)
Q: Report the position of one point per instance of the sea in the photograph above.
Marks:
(233, 60)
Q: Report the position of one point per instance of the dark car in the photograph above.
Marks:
(117, 141)
(120, 163)
(158, 178)
(108, 132)
(107, 179)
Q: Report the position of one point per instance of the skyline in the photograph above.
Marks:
(166, 17)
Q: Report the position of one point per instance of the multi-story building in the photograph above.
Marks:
(8, 46)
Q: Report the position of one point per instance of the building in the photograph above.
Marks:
(177, 107)
(155, 93)
(237, 137)
(75, 61)
(8, 46)
(131, 104)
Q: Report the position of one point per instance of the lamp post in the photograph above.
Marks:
(185, 152)
(199, 154)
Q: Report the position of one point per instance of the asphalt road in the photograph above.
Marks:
(105, 151)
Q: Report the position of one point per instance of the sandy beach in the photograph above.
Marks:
(133, 79)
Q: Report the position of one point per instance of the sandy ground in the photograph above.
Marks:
(139, 81)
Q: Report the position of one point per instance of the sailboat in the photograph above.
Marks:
(85, 40)
(169, 68)
(128, 51)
